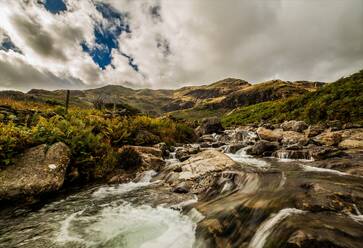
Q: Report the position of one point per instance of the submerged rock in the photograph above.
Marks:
(38, 170)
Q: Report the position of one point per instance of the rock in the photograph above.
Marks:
(183, 153)
(207, 138)
(328, 138)
(210, 125)
(351, 144)
(181, 188)
(269, 135)
(263, 147)
(38, 170)
(297, 126)
(246, 136)
(205, 162)
(352, 139)
(151, 157)
(314, 130)
(292, 137)
(324, 152)
(335, 125)
(293, 154)
(233, 148)
(148, 150)
(163, 147)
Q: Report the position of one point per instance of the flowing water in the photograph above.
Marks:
(104, 216)
(274, 200)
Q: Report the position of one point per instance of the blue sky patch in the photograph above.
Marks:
(55, 6)
(6, 45)
(106, 36)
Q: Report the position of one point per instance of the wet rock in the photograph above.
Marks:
(324, 152)
(207, 138)
(328, 138)
(181, 188)
(296, 126)
(293, 154)
(183, 153)
(209, 126)
(38, 170)
(233, 148)
(270, 135)
(314, 130)
(163, 147)
(263, 147)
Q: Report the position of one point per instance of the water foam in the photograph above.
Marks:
(243, 158)
(126, 187)
(129, 226)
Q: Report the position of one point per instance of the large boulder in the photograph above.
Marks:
(38, 170)
(210, 125)
(262, 147)
(297, 126)
(205, 162)
(270, 135)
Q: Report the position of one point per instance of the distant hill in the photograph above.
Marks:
(213, 99)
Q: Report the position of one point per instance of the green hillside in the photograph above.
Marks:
(341, 100)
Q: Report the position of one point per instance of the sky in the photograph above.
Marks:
(76, 44)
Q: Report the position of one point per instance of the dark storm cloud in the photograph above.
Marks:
(37, 38)
(17, 74)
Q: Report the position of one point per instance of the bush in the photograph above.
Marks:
(129, 158)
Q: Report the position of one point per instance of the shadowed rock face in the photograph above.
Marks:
(39, 170)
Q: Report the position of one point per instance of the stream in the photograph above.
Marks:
(275, 201)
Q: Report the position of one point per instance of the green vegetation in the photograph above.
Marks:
(129, 158)
(92, 135)
(341, 100)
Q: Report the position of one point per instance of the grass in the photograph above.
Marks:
(341, 100)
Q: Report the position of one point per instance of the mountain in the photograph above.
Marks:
(215, 98)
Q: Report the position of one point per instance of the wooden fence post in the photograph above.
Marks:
(67, 100)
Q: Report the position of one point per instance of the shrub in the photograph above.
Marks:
(129, 158)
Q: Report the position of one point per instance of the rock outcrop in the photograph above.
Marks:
(38, 170)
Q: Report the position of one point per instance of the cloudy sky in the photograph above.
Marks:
(171, 43)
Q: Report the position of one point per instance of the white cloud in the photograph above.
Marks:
(184, 42)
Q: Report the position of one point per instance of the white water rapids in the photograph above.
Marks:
(107, 217)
